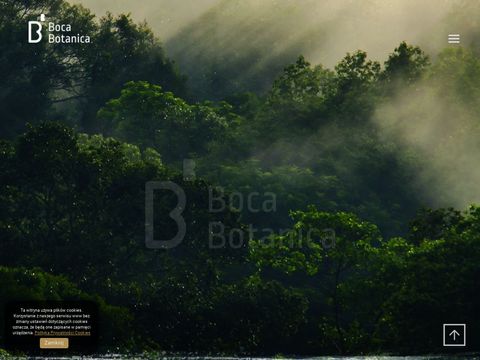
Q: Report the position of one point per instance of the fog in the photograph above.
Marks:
(227, 46)
(438, 122)
(327, 29)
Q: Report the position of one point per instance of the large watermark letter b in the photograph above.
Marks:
(175, 214)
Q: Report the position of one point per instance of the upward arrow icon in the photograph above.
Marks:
(454, 333)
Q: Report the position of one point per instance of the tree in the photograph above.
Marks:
(29, 72)
(406, 64)
(58, 79)
(75, 205)
(438, 284)
(334, 248)
(455, 76)
(300, 82)
(433, 224)
(355, 72)
(37, 285)
(148, 116)
(123, 51)
(296, 101)
(355, 88)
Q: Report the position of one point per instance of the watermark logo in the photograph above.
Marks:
(219, 236)
(175, 214)
(57, 33)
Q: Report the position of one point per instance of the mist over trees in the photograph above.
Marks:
(274, 33)
(369, 241)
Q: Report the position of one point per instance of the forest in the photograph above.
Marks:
(332, 213)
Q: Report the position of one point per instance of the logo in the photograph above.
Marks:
(57, 33)
(175, 214)
(38, 32)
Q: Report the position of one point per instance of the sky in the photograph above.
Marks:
(326, 28)
(229, 46)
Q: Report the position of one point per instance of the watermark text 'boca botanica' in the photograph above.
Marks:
(219, 235)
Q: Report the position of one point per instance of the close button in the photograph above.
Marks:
(53, 343)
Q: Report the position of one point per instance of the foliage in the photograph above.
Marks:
(347, 260)
(150, 117)
(407, 64)
(73, 79)
(37, 285)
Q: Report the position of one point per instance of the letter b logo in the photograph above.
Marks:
(38, 32)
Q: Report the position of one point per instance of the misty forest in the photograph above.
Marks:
(375, 160)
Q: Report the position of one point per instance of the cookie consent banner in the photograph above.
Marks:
(52, 326)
